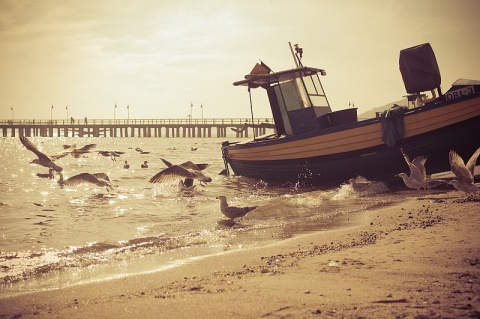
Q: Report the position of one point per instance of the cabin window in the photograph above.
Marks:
(315, 91)
(293, 95)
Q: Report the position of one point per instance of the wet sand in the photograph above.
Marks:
(415, 259)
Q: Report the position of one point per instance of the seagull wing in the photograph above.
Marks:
(472, 161)
(167, 163)
(459, 169)
(31, 147)
(87, 148)
(69, 147)
(190, 165)
(57, 156)
(170, 173)
(419, 162)
(80, 179)
(405, 156)
(101, 176)
(415, 172)
(201, 167)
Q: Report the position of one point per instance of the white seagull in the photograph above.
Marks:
(233, 212)
(43, 160)
(112, 154)
(77, 152)
(418, 175)
(188, 171)
(464, 173)
(99, 179)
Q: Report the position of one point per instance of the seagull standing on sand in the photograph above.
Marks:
(99, 179)
(233, 212)
(418, 176)
(43, 160)
(188, 171)
(464, 173)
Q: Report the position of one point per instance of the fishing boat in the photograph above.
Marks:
(313, 145)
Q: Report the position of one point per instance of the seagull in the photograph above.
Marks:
(139, 150)
(188, 170)
(144, 164)
(418, 176)
(43, 160)
(360, 183)
(112, 154)
(233, 212)
(464, 173)
(49, 175)
(126, 165)
(77, 152)
(99, 179)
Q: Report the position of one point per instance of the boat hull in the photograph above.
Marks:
(332, 156)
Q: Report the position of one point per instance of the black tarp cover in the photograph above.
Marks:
(419, 69)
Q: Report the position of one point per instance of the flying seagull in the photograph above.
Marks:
(77, 152)
(418, 175)
(233, 212)
(43, 160)
(188, 171)
(464, 173)
(99, 179)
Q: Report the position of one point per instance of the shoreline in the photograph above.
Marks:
(413, 258)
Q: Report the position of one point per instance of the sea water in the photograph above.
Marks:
(53, 236)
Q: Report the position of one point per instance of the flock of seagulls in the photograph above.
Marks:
(464, 181)
(188, 172)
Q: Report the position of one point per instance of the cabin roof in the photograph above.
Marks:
(256, 80)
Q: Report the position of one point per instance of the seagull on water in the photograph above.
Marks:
(43, 160)
(112, 154)
(464, 173)
(418, 175)
(360, 183)
(99, 179)
(49, 175)
(233, 212)
(188, 171)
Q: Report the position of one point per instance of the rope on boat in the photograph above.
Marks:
(251, 111)
(225, 161)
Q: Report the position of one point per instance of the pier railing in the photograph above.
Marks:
(137, 127)
(209, 121)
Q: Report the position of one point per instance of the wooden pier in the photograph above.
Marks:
(137, 128)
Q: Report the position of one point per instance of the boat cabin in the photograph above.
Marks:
(297, 99)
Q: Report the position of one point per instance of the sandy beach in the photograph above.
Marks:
(415, 259)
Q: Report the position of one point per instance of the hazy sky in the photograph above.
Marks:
(159, 56)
